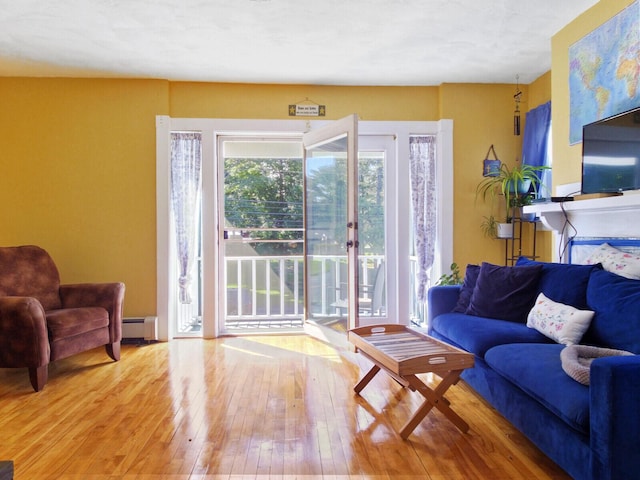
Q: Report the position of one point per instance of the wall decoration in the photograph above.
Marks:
(604, 69)
(491, 168)
(307, 110)
(516, 113)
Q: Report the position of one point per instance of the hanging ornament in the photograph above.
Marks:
(516, 113)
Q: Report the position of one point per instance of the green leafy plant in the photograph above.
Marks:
(513, 183)
(522, 200)
(452, 278)
(489, 226)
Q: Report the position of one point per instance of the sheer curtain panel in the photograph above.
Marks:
(186, 187)
(422, 160)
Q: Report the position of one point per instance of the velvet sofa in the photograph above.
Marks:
(42, 320)
(591, 431)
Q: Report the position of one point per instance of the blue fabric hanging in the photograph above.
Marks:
(534, 144)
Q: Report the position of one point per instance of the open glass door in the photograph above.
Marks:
(331, 230)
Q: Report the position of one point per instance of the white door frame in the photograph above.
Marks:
(399, 218)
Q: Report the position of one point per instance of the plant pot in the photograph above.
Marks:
(520, 187)
(505, 230)
(525, 217)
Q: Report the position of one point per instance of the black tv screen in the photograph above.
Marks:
(611, 154)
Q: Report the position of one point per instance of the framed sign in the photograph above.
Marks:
(491, 167)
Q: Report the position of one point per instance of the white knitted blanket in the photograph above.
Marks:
(576, 360)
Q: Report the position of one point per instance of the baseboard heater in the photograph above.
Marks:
(136, 329)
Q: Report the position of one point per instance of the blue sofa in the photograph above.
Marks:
(591, 431)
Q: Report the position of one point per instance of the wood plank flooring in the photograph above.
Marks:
(262, 407)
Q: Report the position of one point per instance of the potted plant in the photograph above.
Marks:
(489, 226)
(452, 278)
(516, 185)
(522, 200)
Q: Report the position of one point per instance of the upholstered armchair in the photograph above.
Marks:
(42, 321)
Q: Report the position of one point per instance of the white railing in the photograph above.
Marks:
(249, 279)
(270, 288)
(257, 287)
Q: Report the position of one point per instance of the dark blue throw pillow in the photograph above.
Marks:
(563, 282)
(505, 293)
(470, 279)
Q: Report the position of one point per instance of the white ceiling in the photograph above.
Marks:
(321, 42)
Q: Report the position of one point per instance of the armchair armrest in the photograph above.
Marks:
(109, 296)
(441, 299)
(24, 340)
(615, 417)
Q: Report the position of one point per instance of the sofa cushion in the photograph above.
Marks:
(478, 334)
(505, 293)
(562, 323)
(616, 261)
(563, 283)
(616, 301)
(68, 322)
(537, 370)
(466, 290)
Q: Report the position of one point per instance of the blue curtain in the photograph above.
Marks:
(534, 145)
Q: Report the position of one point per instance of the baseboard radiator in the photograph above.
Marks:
(140, 328)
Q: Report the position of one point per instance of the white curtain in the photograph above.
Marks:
(186, 187)
(422, 159)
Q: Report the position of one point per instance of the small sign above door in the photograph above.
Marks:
(307, 110)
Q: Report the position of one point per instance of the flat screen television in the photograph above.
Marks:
(611, 154)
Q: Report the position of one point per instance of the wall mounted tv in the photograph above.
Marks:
(611, 154)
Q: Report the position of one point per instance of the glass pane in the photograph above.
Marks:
(326, 220)
(371, 233)
(263, 246)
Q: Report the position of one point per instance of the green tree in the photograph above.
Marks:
(268, 193)
(265, 193)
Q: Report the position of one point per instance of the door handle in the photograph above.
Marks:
(350, 244)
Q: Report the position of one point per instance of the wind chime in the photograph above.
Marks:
(516, 114)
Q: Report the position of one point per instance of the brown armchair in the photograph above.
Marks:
(42, 321)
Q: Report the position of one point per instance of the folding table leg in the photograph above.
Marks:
(366, 379)
(434, 398)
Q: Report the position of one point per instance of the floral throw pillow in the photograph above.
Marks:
(616, 261)
(562, 323)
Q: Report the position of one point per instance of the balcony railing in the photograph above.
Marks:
(264, 291)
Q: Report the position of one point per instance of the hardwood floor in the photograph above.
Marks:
(279, 407)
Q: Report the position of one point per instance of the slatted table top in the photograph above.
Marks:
(406, 351)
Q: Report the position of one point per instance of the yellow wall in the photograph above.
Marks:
(540, 91)
(216, 100)
(77, 177)
(567, 158)
(78, 160)
(483, 116)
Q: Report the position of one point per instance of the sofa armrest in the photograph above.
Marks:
(441, 299)
(615, 417)
(109, 296)
(24, 341)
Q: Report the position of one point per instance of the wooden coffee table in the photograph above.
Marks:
(403, 353)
